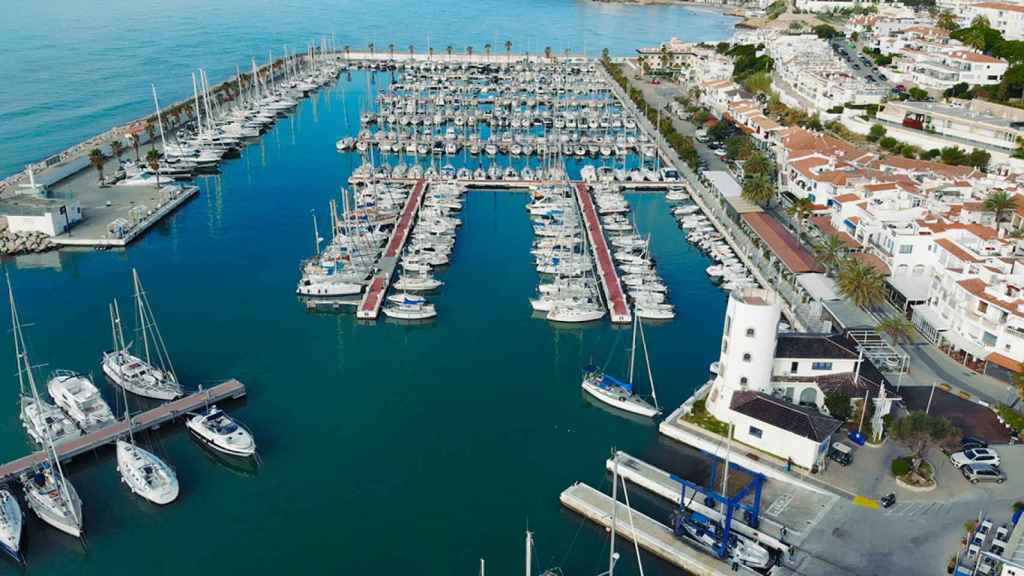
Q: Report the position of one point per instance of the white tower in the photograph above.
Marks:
(748, 348)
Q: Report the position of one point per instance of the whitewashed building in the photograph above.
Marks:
(49, 215)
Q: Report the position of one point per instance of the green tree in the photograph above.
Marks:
(1000, 202)
(508, 50)
(153, 161)
(876, 132)
(979, 159)
(947, 21)
(917, 94)
(896, 327)
(487, 52)
(801, 209)
(759, 164)
(975, 39)
(839, 406)
(861, 283)
(831, 252)
(97, 160)
(825, 31)
(981, 23)
(920, 432)
(117, 149)
(134, 138)
(759, 190)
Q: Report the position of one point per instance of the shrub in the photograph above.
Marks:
(839, 406)
(1012, 418)
(901, 466)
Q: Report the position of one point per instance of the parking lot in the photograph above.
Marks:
(861, 64)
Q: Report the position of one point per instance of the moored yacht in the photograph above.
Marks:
(80, 399)
(52, 498)
(145, 474)
(11, 523)
(221, 432)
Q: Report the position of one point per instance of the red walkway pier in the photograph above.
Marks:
(614, 296)
(369, 307)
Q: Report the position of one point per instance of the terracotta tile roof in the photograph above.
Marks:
(848, 197)
(1005, 361)
(880, 187)
(785, 246)
(977, 287)
(955, 249)
(873, 261)
(969, 56)
(1000, 6)
(824, 223)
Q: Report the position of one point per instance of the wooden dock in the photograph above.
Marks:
(520, 185)
(369, 308)
(151, 418)
(615, 297)
(650, 534)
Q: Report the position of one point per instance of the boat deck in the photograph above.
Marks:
(615, 297)
(650, 534)
(369, 308)
(151, 418)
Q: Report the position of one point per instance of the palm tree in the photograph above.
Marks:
(117, 149)
(547, 52)
(412, 51)
(759, 190)
(430, 53)
(348, 52)
(801, 209)
(1000, 202)
(96, 159)
(153, 161)
(469, 52)
(391, 51)
(449, 51)
(134, 137)
(508, 50)
(487, 51)
(947, 21)
(975, 38)
(370, 46)
(831, 253)
(151, 132)
(897, 327)
(861, 283)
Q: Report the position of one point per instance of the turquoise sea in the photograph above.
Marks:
(386, 448)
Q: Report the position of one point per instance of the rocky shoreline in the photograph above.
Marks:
(24, 242)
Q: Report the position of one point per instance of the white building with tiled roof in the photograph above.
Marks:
(1007, 17)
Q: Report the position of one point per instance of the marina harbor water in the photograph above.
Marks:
(474, 420)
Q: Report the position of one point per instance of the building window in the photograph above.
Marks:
(750, 332)
(743, 381)
(794, 367)
(989, 339)
(821, 365)
(906, 248)
(755, 432)
(746, 357)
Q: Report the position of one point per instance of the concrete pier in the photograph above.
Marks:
(369, 308)
(151, 418)
(615, 297)
(650, 534)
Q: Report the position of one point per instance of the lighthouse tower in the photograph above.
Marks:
(748, 348)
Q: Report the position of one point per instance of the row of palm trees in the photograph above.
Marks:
(97, 159)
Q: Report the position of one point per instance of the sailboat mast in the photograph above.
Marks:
(159, 119)
(195, 98)
(142, 313)
(529, 551)
(647, 360)
(632, 350)
(615, 509)
(316, 236)
(17, 336)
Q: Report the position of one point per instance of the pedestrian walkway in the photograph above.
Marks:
(613, 293)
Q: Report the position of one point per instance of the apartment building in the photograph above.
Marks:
(810, 76)
(962, 123)
(1006, 17)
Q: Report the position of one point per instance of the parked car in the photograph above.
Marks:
(968, 442)
(841, 453)
(975, 456)
(976, 473)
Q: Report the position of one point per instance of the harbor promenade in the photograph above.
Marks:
(618, 309)
(369, 307)
(149, 419)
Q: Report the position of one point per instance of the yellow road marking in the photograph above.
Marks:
(866, 502)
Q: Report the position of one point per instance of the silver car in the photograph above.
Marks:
(976, 473)
(975, 456)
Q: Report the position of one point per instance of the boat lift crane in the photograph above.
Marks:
(712, 498)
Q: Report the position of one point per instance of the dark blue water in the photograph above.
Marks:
(73, 69)
(386, 448)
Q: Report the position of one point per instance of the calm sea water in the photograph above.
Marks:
(386, 448)
(73, 69)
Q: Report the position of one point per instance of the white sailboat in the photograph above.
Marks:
(41, 419)
(137, 375)
(614, 392)
(145, 474)
(11, 522)
(221, 432)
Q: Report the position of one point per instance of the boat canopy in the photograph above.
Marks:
(608, 381)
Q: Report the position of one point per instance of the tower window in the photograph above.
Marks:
(743, 381)
(746, 357)
(750, 332)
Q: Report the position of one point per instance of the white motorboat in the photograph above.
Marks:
(417, 283)
(149, 377)
(146, 475)
(221, 432)
(327, 287)
(655, 311)
(80, 399)
(409, 308)
(11, 523)
(619, 394)
(52, 498)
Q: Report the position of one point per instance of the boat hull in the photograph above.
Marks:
(621, 401)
